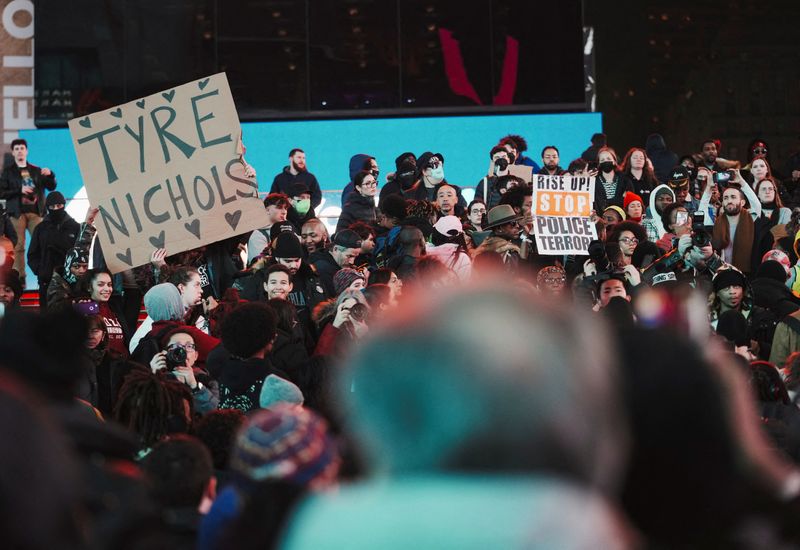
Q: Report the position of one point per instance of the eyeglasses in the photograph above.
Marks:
(629, 240)
(187, 347)
(370, 184)
(760, 150)
(554, 280)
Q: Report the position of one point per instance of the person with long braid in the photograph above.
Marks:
(153, 406)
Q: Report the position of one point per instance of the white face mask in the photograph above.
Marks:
(436, 175)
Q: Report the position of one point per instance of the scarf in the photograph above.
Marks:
(743, 240)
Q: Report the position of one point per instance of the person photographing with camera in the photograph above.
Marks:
(734, 229)
(178, 358)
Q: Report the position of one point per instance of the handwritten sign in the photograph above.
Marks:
(562, 209)
(166, 172)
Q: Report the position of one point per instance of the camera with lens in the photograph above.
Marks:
(359, 313)
(700, 237)
(598, 254)
(176, 357)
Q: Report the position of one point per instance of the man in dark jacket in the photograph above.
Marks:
(22, 185)
(297, 172)
(300, 209)
(346, 247)
(404, 177)
(248, 333)
(360, 205)
(50, 242)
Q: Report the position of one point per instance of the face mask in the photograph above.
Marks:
(302, 206)
(500, 165)
(606, 166)
(437, 175)
(58, 215)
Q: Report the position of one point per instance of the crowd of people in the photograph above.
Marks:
(421, 376)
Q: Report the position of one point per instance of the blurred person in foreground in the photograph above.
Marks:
(496, 438)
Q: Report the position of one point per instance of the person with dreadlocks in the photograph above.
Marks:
(449, 247)
(65, 284)
(152, 406)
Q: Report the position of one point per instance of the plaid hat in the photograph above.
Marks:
(287, 443)
(53, 198)
(728, 277)
(345, 277)
(296, 189)
(287, 245)
(347, 238)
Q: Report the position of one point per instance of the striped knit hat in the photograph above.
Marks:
(286, 443)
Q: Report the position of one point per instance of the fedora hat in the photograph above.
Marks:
(500, 215)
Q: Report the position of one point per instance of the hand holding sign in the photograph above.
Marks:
(563, 214)
(166, 171)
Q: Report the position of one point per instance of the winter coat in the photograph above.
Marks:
(285, 179)
(774, 296)
(326, 267)
(357, 163)
(240, 381)
(49, 245)
(11, 187)
(358, 208)
(600, 200)
(289, 353)
(449, 254)
(786, 339)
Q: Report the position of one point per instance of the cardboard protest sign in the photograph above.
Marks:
(521, 171)
(562, 206)
(166, 172)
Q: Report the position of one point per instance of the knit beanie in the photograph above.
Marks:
(728, 277)
(287, 245)
(53, 198)
(344, 278)
(276, 390)
(630, 197)
(287, 443)
(163, 303)
(771, 270)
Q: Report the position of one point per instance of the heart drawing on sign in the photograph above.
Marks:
(140, 103)
(125, 257)
(193, 227)
(86, 123)
(117, 113)
(169, 95)
(233, 218)
(203, 83)
(158, 242)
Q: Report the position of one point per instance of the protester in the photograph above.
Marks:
(22, 185)
(297, 172)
